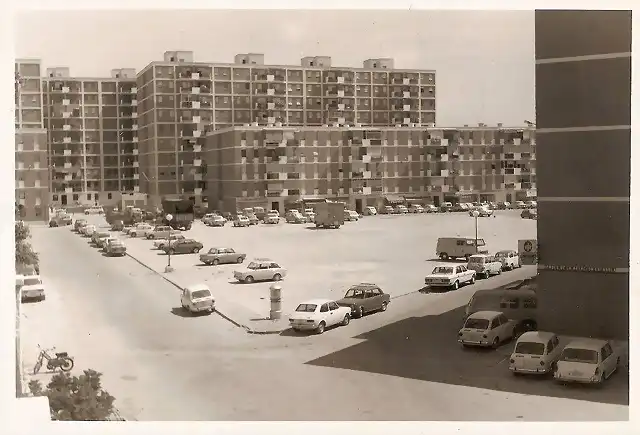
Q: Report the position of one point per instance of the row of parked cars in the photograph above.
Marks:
(104, 240)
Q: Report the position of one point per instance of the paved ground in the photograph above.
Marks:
(117, 317)
(380, 249)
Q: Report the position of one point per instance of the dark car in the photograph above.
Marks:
(185, 246)
(529, 213)
(60, 221)
(117, 226)
(365, 298)
(217, 256)
(79, 223)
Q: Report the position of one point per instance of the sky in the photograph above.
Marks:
(484, 60)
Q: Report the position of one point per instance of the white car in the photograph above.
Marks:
(197, 298)
(485, 265)
(402, 209)
(520, 205)
(430, 208)
(261, 269)
(350, 215)
(416, 208)
(450, 276)
(94, 209)
(141, 230)
(32, 288)
(509, 258)
(161, 243)
(319, 314)
(486, 329)
(88, 230)
(536, 352)
(241, 221)
(370, 211)
(587, 360)
(482, 211)
(273, 217)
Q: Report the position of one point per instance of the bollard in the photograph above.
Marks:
(275, 295)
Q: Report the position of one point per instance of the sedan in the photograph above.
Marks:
(587, 360)
(116, 247)
(184, 246)
(365, 298)
(319, 314)
(217, 256)
(241, 221)
(260, 270)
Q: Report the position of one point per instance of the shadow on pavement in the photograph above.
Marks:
(426, 349)
(181, 312)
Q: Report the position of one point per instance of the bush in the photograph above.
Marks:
(76, 398)
(25, 255)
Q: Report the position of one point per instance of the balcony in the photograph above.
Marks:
(136, 165)
(66, 153)
(197, 162)
(136, 176)
(197, 148)
(66, 89)
(66, 139)
(134, 151)
(66, 127)
(195, 90)
(134, 127)
(197, 177)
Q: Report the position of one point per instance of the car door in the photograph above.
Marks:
(495, 328)
(325, 314)
(459, 274)
(229, 256)
(374, 299)
(335, 315)
(610, 360)
(506, 327)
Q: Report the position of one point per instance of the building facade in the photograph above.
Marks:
(583, 105)
(274, 166)
(32, 175)
(181, 100)
(92, 137)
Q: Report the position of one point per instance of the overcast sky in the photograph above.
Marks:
(484, 61)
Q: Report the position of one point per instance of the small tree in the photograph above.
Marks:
(76, 398)
(25, 255)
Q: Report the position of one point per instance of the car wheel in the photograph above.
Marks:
(277, 277)
(132, 234)
(171, 252)
(360, 312)
(500, 271)
(473, 279)
(248, 279)
(215, 262)
(444, 256)
(346, 320)
(320, 328)
(196, 250)
(384, 306)
(456, 285)
(151, 237)
(496, 342)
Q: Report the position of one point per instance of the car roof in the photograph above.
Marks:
(316, 301)
(536, 336)
(586, 343)
(505, 251)
(363, 285)
(485, 314)
(195, 287)
(263, 259)
(504, 291)
(453, 266)
(30, 276)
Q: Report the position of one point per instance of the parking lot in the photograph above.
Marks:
(395, 252)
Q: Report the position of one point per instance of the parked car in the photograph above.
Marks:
(504, 205)
(217, 256)
(484, 265)
(387, 209)
(79, 223)
(62, 220)
(531, 204)
(272, 217)
(241, 221)
(529, 213)
(482, 212)
(365, 298)
(141, 230)
(401, 209)
(31, 287)
(536, 352)
(117, 226)
(520, 205)
(161, 243)
(319, 314)
(94, 209)
(430, 208)
(260, 270)
(486, 328)
(370, 211)
(509, 258)
(309, 214)
(492, 205)
(295, 217)
(216, 221)
(197, 298)
(116, 247)
(450, 276)
(416, 208)
(446, 207)
(587, 360)
(184, 246)
(350, 215)
(97, 235)
(162, 232)
(459, 247)
(102, 243)
(87, 230)
(207, 218)
(253, 219)
(459, 207)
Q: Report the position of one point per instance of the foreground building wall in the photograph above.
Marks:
(583, 105)
(276, 166)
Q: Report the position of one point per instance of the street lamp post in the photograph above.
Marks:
(169, 218)
(475, 215)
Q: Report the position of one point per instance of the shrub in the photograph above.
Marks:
(76, 398)
(25, 255)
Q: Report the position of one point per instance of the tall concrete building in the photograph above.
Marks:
(181, 100)
(583, 110)
(32, 175)
(276, 166)
(92, 136)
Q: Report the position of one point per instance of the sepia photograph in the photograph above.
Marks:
(341, 215)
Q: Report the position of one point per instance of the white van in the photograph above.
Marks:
(458, 247)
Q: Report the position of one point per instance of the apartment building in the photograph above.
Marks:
(583, 112)
(31, 165)
(273, 166)
(92, 137)
(181, 100)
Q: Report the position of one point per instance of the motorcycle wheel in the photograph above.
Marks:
(50, 366)
(66, 365)
(37, 367)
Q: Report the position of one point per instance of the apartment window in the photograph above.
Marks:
(36, 146)
(20, 147)
(243, 153)
(38, 201)
(293, 175)
(55, 197)
(109, 196)
(88, 197)
(37, 183)
(75, 196)
(36, 165)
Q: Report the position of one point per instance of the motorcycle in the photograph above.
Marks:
(62, 360)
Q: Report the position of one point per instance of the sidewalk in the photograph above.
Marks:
(251, 321)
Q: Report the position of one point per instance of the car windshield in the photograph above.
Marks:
(200, 294)
(442, 270)
(530, 348)
(580, 355)
(306, 308)
(502, 254)
(103, 235)
(253, 265)
(478, 260)
(32, 281)
(477, 324)
(355, 293)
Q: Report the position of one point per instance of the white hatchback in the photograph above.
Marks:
(319, 314)
(536, 352)
(587, 360)
(486, 329)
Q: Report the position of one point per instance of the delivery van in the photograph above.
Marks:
(459, 247)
